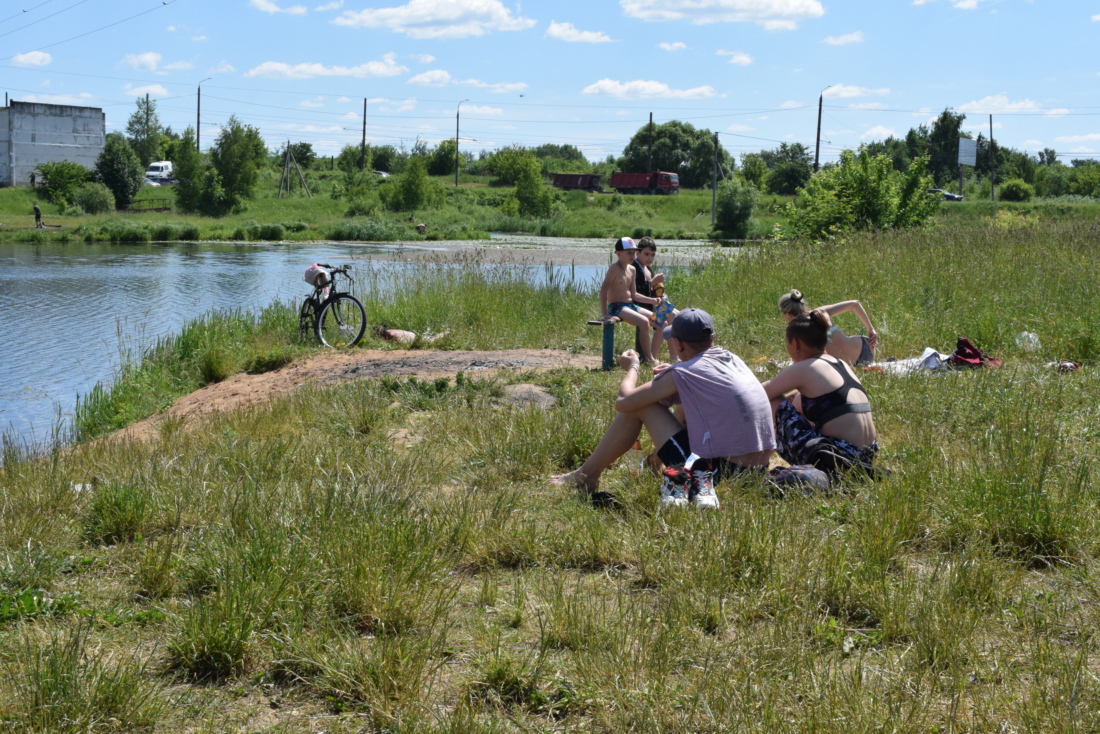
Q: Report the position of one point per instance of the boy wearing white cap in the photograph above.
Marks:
(619, 293)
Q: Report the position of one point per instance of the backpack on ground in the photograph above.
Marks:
(967, 356)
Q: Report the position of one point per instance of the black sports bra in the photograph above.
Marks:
(824, 408)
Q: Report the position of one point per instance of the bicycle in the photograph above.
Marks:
(334, 316)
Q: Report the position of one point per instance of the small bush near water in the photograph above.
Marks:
(386, 553)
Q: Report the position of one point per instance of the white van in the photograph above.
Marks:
(159, 170)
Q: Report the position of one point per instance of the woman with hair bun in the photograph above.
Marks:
(855, 350)
(822, 412)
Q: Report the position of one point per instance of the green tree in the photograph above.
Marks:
(737, 200)
(943, 147)
(144, 132)
(386, 158)
(1048, 157)
(864, 192)
(188, 169)
(442, 160)
(60, 179)
(303, 153)
(680, 148)
(508, 163)
(893, 148)
(791, 167)
(350, 156)
(119, 169)
(533, 199)
(754, 170)
(94, 198)
(412, 189)
(238, 155)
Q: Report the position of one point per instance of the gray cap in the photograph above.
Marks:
(691, 325)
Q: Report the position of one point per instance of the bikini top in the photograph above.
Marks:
(824, 408)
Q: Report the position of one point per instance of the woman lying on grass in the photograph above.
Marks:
(855, 350)
(822, 413)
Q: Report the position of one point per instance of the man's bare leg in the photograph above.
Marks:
(621, 435)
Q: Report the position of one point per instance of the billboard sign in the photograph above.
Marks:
(968, 152)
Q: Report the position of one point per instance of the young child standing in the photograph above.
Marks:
(619, 295)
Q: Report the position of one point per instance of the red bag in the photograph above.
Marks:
(967, 355)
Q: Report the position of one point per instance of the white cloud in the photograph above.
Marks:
(1034, 143)
(269, 6)
(1096, 18)
(424, 58)
(223, 68)
(923, 112)
(77, 100)
(773, 15)
(1088, 138)
(737, 127)
(998, 103)
(959, 4)
(32, 58)
(641, 89)
(334, 5)
(441, 78)
(790, 104)
(343, 99)
(279, 70)
(877, 132)
(570, 34)
(981, 126)
(474, 109)
(737, 57)
(844, 91)
(404, 106)
(313, 103)
(153, 90)
(856, 37)
(179, 66)
(198, 38)
(867, 106)
(171, 29)
(350, 116)
(1057, 112)
(439, 18)
(147, 61)
(676, 46)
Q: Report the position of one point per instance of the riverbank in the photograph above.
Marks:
(384, 553)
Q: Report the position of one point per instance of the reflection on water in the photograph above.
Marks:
(68, 310)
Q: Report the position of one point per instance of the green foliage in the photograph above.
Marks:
(533, 198)
(943, 146)
(507, 164)
(791, 166)
(60, 179)
(303, 153)
(238, 155)
(864, 192)
(350, 157)
(118, 513)
(94, 198)
(754, 170)
(188, 169)
(365, 230)
(120, 170)
(1015, 189)
(680, 148)
(737, 200)
(412, 189)
(384, 158)
(145, 133)
(442, 161)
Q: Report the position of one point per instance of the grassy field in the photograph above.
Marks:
(303, 566)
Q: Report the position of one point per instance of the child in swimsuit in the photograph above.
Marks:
(619, 295)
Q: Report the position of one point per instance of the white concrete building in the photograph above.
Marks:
(33, 133)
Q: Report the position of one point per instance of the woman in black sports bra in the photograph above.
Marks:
(822, 412)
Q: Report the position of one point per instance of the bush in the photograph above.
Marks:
(124, 232)
(737, 199)
(363, 207)
(119, 168)
(532, 197)
(412, 189)
(365, 230)
(73, 210)
(61, 179)
(270, 232)
(94, 198)
(1016, 189)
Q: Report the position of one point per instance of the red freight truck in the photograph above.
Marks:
(585, 181)
(656, 182)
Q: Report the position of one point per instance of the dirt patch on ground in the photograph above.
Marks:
(242, 390)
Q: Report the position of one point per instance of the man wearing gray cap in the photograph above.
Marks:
(727, 414)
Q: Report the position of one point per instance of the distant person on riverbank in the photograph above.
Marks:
(855, 350)
(619, 295)
(37, 216)
(727, 414)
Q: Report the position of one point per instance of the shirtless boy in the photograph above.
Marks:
(619, 295)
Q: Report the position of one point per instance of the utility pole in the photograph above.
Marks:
(457, 111)
(992, 163)
(363, 144)
(817, 147)
(650, 168)
(714, 185)
(198, 117)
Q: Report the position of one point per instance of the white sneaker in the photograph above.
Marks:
(702, 492)
(674, 488)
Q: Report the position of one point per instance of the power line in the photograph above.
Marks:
(23, 12)
(36, 22)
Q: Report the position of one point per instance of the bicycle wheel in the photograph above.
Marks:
(342, 322)
(307, 318)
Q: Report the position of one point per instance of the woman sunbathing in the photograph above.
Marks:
(855, 350)
(822, 412)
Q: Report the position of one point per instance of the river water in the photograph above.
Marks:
(68, 310)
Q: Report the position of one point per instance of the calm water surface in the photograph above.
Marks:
(67, 311)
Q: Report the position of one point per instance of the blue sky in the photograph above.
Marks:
(585, 73)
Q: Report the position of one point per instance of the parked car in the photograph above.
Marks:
(151, 182)
(947, 195)
(382, 174)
